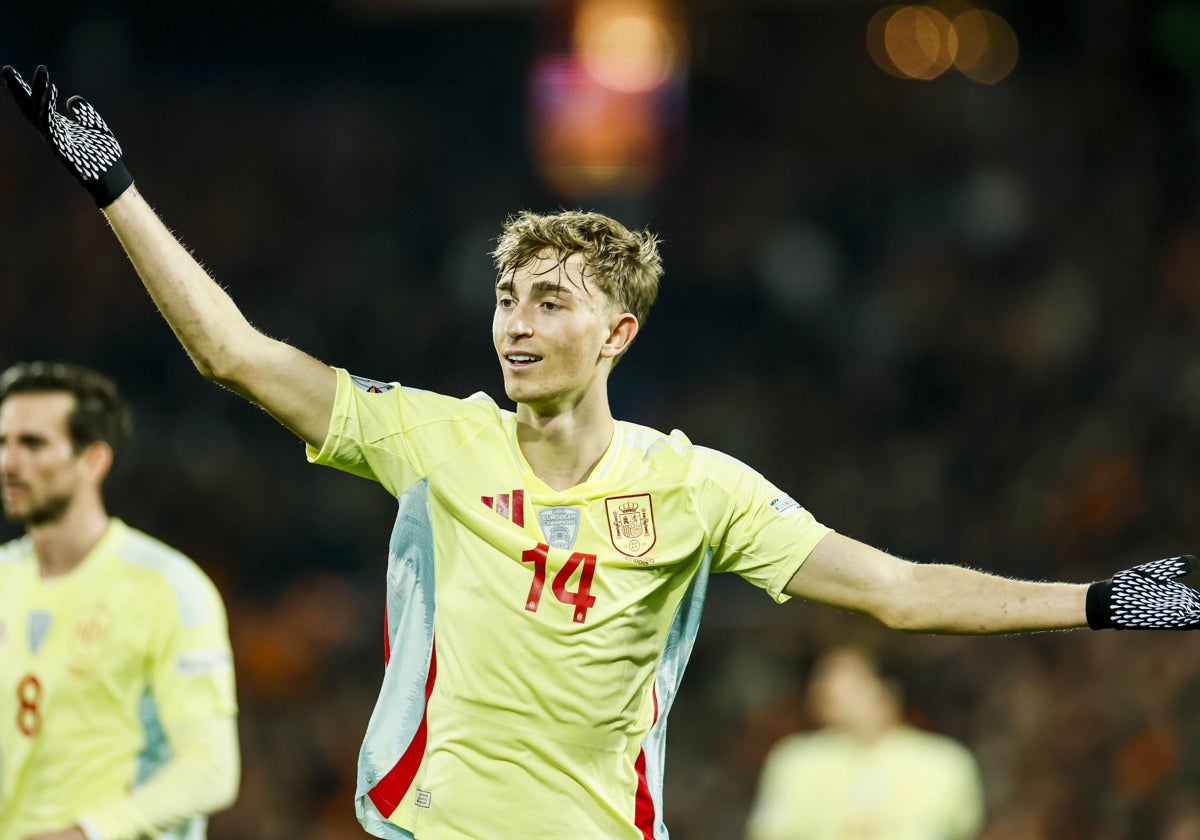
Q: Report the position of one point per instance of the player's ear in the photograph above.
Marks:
(97, 459)
(621, 331)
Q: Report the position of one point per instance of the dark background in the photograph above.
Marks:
(958, 321)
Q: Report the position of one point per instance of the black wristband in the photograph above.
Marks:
(1099, 606)
(108, 187)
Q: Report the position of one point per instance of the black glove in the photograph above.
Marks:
(1146, 597)
(80, 139)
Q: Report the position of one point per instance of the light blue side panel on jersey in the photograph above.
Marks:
(401, 703)
(155, 753)
(680, 640)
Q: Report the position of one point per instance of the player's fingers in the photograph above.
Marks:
(1188, 563)
(19, 88)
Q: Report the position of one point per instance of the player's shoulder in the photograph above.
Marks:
(934, 745)
(154, 559)
(159, 570)
(676, 447)
(478, 401)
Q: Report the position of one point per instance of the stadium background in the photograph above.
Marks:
(957, 320)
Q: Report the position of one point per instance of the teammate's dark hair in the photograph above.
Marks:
(99, 415)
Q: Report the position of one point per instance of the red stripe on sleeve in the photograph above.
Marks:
(390, 790)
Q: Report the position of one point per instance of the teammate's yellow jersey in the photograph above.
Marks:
(97, 667)
(906, 785)
(536, 638)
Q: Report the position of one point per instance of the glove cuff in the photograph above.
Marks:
(108, 187)
(1099, 605)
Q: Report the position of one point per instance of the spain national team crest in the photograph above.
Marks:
(631, 523)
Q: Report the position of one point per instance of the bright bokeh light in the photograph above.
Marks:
(988, 46)
(632, 46)
(924, 41)
(920, 42)
(588, 139)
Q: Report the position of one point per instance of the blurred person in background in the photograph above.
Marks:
(548, 566)
(120, 716)
(865, 773)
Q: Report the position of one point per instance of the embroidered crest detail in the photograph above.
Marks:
(91, 632)
(560, 526)
(631, 523)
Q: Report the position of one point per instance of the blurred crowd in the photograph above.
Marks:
(958, 322)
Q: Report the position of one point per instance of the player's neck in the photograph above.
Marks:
(62, 545)
(563, 448)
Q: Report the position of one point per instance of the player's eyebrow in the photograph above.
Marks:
(538, 287)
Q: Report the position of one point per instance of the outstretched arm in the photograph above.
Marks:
(293, 386)
(941, 598)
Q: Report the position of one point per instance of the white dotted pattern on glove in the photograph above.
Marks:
(1148, 597)
(86, 142)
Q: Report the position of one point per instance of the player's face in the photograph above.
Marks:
(40, 471)
(551, 329)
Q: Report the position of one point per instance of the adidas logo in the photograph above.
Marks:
(509, 505)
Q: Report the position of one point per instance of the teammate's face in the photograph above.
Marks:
(40, 471)
(553, 331)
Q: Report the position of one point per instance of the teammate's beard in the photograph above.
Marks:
(49, 511)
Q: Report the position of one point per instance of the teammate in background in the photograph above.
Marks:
(120, 719)
(866, 773)
(548, 565)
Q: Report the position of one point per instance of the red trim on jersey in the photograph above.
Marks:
(387, 639)
(389, 790)
(643, 809)
(518, 508)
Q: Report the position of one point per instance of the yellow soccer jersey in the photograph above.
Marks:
(97, 667)
(828, 785)
(537, 638)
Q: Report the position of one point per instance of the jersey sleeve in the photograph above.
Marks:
(191, 676)
(391, 434)
(189, 714)
(762, 533)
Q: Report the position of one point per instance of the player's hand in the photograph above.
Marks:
(79, 138)
(1146, 597)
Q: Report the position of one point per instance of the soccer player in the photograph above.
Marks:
(865, 772)
(548, 565)
(116, 678)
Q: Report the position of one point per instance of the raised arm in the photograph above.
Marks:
(295, 388)
(941, 598)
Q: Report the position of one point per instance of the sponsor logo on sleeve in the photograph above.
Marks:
(371, 386)
(785, 505)
(199, 662)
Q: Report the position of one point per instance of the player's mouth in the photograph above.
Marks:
(520, 361)
(10, 489)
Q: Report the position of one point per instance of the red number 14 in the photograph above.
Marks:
(581, 599)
